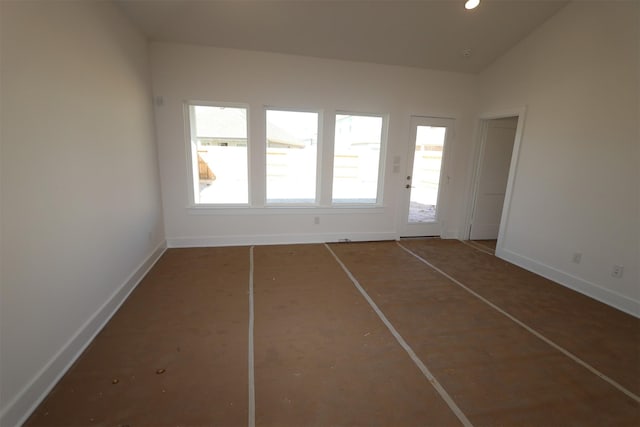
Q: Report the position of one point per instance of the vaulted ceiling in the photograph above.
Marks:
(435, 34)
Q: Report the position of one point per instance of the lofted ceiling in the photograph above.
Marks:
(435, 34)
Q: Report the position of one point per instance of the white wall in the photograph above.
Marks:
(185, 72)
(577, 183)
(81, 210)
(80, 214)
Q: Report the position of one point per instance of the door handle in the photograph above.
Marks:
(408, 186)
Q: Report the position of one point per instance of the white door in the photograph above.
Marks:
(495, 159)
(425, 179)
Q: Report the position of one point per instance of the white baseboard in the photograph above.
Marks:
(606, 296)
(451, 234)
(484, 231)
(275, 239)
(20, 407)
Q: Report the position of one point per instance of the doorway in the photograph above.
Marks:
(498, 136)
(425, 177)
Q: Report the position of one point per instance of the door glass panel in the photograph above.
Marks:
(425, 179)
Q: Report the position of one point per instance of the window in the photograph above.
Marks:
(292, 154)
(356, 161)
(219, 154)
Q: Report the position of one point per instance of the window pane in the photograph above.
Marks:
(219, 154)
(356, 158)
(292, 153)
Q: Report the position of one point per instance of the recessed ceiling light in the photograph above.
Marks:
(471, 4)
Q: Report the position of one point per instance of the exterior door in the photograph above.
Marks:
(425, 179)
(495, 160)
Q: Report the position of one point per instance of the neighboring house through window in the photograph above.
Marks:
(219, 152)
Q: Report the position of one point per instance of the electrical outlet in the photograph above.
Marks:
(316, 220)
(617, 271)
(577, 257)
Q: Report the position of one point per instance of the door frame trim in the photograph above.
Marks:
(480, 139)
(450, 123)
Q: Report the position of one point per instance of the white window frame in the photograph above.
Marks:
(257, 185)
(381, 161)
(320, 144)
(191, 178)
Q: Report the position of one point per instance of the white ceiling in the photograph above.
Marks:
(420, 33)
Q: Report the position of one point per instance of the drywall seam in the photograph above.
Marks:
(24, 403)
(607, 296)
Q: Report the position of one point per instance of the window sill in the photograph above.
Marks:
(284, 210)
